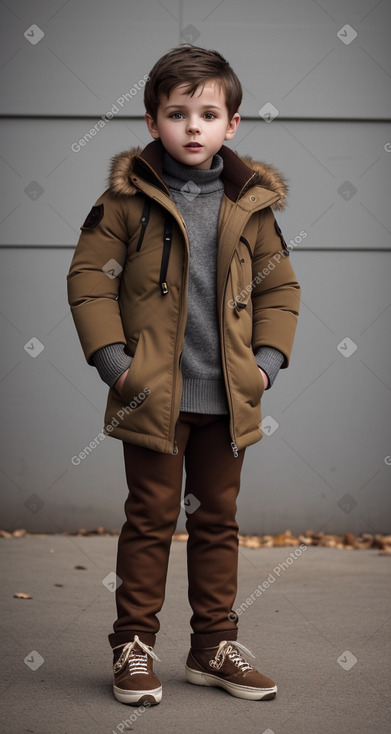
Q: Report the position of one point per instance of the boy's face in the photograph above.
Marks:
(193, 129)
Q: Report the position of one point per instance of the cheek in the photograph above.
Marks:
(169, 133)
(221, 128)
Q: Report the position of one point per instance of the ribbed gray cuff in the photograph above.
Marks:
(270, 361)
(111, 362)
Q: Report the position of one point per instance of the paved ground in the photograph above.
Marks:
(321, 607)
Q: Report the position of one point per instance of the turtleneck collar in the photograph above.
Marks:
(176, 174)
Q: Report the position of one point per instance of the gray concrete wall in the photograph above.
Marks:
(327, 464)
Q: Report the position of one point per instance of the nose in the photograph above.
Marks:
(193, 127)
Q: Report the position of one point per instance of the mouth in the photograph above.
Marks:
(193, 145)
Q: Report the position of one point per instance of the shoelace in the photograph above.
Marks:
(230, 649)
(136, 659)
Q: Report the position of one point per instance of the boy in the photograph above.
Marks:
(185, 300)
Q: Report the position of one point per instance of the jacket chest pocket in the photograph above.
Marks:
(149, 248)
(241, 272)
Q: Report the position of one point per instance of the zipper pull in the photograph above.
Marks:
(235, 449)
(175, 451)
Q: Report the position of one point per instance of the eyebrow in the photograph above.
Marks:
(204, 106)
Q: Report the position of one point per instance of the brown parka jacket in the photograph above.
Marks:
(128, 280)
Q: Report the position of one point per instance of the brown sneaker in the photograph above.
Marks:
(225, 667)
(134, 680)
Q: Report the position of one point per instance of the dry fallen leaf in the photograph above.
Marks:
(5, 534)
(22, 595)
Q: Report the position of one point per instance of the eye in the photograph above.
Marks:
(176, 115)
(210, 115)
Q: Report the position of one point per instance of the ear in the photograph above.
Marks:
(232, 126)
(151, 125)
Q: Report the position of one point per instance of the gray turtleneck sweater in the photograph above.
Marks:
(197, 194)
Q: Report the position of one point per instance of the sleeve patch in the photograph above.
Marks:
(94, 217)
(281, 236)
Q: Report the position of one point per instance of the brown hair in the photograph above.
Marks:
(193, 66)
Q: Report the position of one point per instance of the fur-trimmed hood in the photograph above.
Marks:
(267, 175)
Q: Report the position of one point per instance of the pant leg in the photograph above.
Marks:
(213, 477)
(152, 508)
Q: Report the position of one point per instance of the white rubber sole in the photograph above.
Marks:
(247, 692)
(138, 698)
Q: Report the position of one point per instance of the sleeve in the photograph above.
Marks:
(111, 362)
(276, 292)
(94, 276)
(270, 361)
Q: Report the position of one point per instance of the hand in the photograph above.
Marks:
(119, 384)
(265, 377)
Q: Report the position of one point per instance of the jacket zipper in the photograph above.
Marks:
(167, 241)
(233, 444)
(144, 222)
(235, 449)
(175, 446)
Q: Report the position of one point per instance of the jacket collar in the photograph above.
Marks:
(239, 174)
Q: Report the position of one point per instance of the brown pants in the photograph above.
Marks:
(152, 508)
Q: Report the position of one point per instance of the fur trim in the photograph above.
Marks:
(269, 177)
(121, 166)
